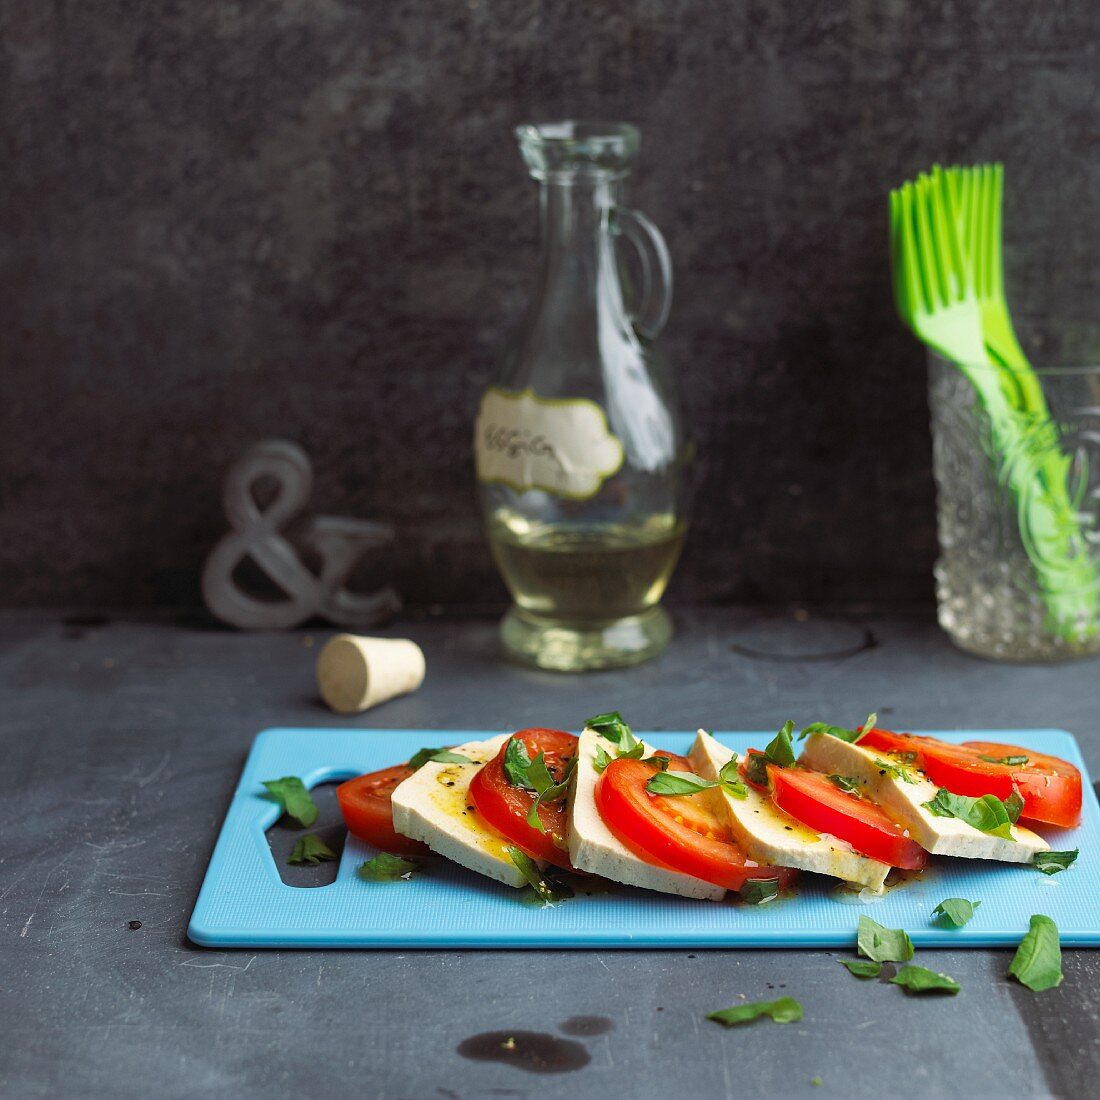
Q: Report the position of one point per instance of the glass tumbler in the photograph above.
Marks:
(1018, 511)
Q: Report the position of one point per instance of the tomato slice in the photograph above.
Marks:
(813, 800)
(1050, 788)
(365, 804)
(505, 807)
(686, 833)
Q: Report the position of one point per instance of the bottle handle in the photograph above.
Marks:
(652, 313)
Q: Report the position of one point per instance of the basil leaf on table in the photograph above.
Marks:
(862, 968)
(311, 849)
(548, 891)
(1050, 863)
(1038, 960)
(436, 756)
(785, 1010)
(386, 867)
(919, 979)
(291, 793)
(758, 891)
(883, 944)
(957, 910)
(988, 814)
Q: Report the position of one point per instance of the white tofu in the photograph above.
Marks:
(593, 847)
(769, 835)
(903, 803)
(432, 806)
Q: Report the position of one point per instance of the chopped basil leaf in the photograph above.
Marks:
(894, 771)
(840, 732)
(1014, 805)
(517, 764)
(291, 793)
(756, 768)
(635, 752)
(678, 783)
(729, 779)
(816, 1081)
(957, 910)
(386, 867)
(908, 758)
(919, 979)
(934, 807)
(845, 783)
(757, 891)
(779, 750)
(1038, 961)
(551, 793)
(1050, 863)
(862, 968)
(661, 763)
(988, 814)
(1009, 761)
(883, 944)
(436, 756)
(785, 1010)
(539, 774)
(548, 891)
(311, 849)
(609, 725)
(600, 760)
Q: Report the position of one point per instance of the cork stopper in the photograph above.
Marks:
(355, 674)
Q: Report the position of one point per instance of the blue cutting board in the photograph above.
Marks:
(244, 903)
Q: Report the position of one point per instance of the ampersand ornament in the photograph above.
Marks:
(338, 543)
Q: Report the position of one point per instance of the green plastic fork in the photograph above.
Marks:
(940, 233)
(979, 202)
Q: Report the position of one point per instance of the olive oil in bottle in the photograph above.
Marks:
(586, 573)
(579, 445)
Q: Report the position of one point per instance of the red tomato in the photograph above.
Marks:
(365, 804)
(686, 833)
(505, 807)
(813, 800)
(1050, 788)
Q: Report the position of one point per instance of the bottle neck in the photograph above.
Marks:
(575, 213)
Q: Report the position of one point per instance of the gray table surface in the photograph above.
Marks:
(122, 744)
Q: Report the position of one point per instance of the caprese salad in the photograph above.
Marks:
(850, 803)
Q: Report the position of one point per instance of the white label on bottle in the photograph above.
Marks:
(560, 445)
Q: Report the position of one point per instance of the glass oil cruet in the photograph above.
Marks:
(579, 445)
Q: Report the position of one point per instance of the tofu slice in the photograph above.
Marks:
(432, 806)
(942, 836)
(593, 847)
(769, 835)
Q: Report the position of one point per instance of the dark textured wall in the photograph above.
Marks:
(223, 221)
